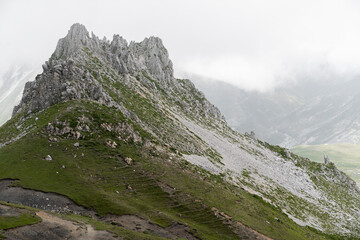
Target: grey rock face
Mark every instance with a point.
(61, 81)
(76, 38)
(69, 75)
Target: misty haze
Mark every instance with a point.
(180, 119)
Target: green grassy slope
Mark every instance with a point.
(20, 216)
(21, 220)
(346, 156)
(165, 188)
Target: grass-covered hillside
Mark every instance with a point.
(157, 185)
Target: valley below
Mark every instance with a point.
(346, 156)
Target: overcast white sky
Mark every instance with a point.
(253, 44)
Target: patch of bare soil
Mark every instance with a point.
(55, 228)
(6, 211)
(40, 200)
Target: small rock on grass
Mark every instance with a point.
(128, 161)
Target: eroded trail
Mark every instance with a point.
(53, 227)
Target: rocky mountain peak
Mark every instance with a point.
(88, 67)
(77, 31)
(152, 55)
(76, 38)
(154, 44)
(118, 41)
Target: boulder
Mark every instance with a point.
(326, 159)
(253, 136)
(287, 153)
(111, 144)
(128, 160)
(53, 139)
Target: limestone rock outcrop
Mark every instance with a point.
(70, 73)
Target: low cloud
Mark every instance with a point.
(256, 45)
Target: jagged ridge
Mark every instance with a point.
(148, 61)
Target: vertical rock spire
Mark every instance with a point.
(76, 38)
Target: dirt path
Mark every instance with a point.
(55, 228)
(6, 211)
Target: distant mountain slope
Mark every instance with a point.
(299, 113)
(251, 111)
(13, 82)
(107, 125)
